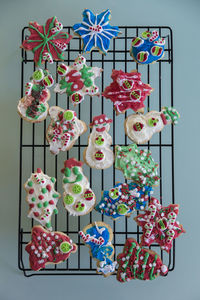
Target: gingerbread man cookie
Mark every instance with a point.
(41, 197)
(33, 107)
(140, 128)
(78, 197)
(78, 80)
(64, 129)
(48, 248)
(98, 154)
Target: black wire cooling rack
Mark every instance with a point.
(34, 150)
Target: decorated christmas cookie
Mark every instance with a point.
(41, 197)
(139, 263)
(159, 224)
(95, 31)
(47, 42)
(127, 91)
(64, 129)
(78, 197)
(48, 248)
(98, 237)
(98, 154)
(140, 128)
(148, 48)
(137, 165)
(33, 107)
(78, 80)
(123, 199)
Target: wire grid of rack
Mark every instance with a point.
(34, 150)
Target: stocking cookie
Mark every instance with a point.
(78, 197)
(148, 48)
(98, 154)
(95, 31)
(47, 42)
(48, 248)
(78, 80)
(139, 263)
(64, 129)
(159, 224)
(137, 165)
(41, 197)
(140, 128)
(127, 91)
(33, 107)
(98, 237)
(123, 199)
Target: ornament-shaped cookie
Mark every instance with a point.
(64, 129)
(33, 107)
(98, 154)
(78, 197)
(41, 197)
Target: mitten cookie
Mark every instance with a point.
(78, 80)
(41, 197)
(98, 237)
(140, 128)
(64, 129)
(48, 248)
(78, 197)
(127, 91)
(139, 263)
(98, 154)
(33, 107)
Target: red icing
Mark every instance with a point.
(36, 214)
(99, 155)
(99, 120)
(74, 77)
(31, 191)
(48, 187)
(163, 119)
(51, 202)
(40, 197)
(39, 170)
(72, 162)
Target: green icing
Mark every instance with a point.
(67, 86)
(55, 211)
(76, 172)
(45, 204)
(55, 195)
(141, 276)
(86, 74)
(67, 172)
(40, 108)
(44, 190)
(30, 183)
(53, 179)
(76, 189)
(68, 199)
(65, 247)
(33, 199)
(39, 205)
(48, 225)
(151, 276)
(171, 113)
(122, 209)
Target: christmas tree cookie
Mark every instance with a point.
(137, 165)
(123, 199)
(78, 80)
(33, 107)
(159, 224)
(98, 154)
(78, 197)
(98, 237)
(48, 248)
(139, 263)
(64, 129)
(41, 197)
(140, 128)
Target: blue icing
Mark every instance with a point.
(95, 30)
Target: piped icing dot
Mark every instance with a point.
(68, 199)
(99, 155)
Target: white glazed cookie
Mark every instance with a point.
(78, 197)
(64, 129)
(41, 197)
(98, 154)
(140, 128)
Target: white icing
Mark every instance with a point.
(106, 269)
(22, 110)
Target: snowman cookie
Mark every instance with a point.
(33, 107)
(41, 197)
(140, 128)
(98, 153)
(64, 129)
(78, 197)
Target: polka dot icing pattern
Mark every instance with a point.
(48, 248)
(98, 237)
(78, 197)
(64, 129)
(78, 80)
(140, 128)
(123, 199)
(95, 31)
(47, 42)
(41, 197)
(139, 263)
(137, 165)
(127, 91)
(148, 48)
(159, 224)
